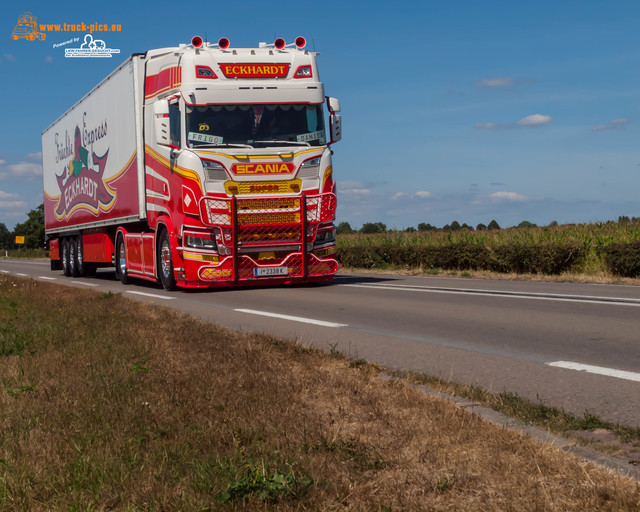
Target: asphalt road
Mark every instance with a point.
(573, 346)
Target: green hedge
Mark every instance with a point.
(518, 258)
(623, 259)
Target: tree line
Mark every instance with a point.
(32, 229)
(344, 228)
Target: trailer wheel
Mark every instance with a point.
(66, 269)
(165, 262)
(81, 266)
(73, 258)
(121, 261)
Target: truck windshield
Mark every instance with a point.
(255, 125)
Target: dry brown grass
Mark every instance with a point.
(113, 405)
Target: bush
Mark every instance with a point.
(517, 258)
(623, 259)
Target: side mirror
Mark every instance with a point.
(335, 120)
(336, 127)
(161, 127)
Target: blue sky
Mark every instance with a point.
(467, 111)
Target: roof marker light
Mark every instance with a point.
(301, 42)
(223, 43)
(279, 43)
(196, 41)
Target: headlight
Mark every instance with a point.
(208, 164)
(326, 237)
(213, 171)
(312, 162)
(198, 242)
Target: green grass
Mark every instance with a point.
(115, 405)
(24, 253)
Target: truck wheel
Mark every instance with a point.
(73, 258)
(66, 269)
(165, 262)
(121, 261)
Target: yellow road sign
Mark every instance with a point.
(20, 240)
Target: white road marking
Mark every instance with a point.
(151, 295)
(47, 278)
(85, 284)
(292, 318)
(599, 370)
(4, 272)
(22, 275)
(587, 299)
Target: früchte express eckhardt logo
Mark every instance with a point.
(82, 183)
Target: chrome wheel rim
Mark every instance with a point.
(122, 259)
(165, 259)
(72, 258)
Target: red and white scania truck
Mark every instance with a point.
(197, 166)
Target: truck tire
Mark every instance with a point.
(66, 268)
(165, 262)
(81, 265)
(121, 261)
(73, 258)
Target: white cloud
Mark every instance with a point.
(9, 57)
(535, 120)
(495, 82)
(614, 124)
(508, 196)
(532, 120)
(420, 193)
(356, 188)
(25, 169)
(8, 200)
(21, 169)
(48, 59)
(11, 204)
(35, 156)
(488, 126)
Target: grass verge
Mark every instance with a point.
(107, 404)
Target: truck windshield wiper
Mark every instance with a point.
(224, 145)
(276, 142)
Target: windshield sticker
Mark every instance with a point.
(204, 137)
(309, 136)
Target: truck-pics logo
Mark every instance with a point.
(82, 184)
(27, 28)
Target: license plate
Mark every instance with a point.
(271, 271)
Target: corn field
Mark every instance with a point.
(611, 248)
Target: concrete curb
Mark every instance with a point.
(543, 436)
